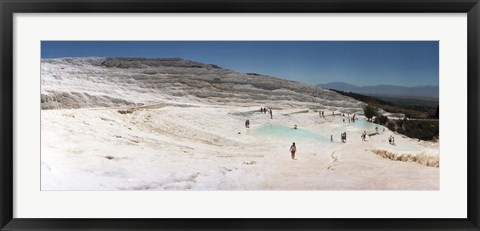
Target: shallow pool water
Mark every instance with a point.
(365, 125)
(280, 131)
(359, 125)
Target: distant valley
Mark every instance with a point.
(389, 92)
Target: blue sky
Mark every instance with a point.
(363, 63)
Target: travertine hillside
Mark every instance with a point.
(109, 82)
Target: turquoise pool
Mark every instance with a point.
(359, 125)
(280, 131)
(365, 125)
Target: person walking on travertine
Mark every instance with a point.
(271, 114)
(293, 149)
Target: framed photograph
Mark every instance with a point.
(239, 115)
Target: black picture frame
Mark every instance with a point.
(10, 7)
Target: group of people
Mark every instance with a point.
(349, 119)
(262, 110)
(265, 110)
(343, 136)
(321, 114)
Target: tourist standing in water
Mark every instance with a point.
(293, 149)
(247, 124)
(271, 114)
(331, 138)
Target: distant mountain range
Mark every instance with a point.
(385, 90)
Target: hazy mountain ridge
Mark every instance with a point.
(107, 82)
(387, 90)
